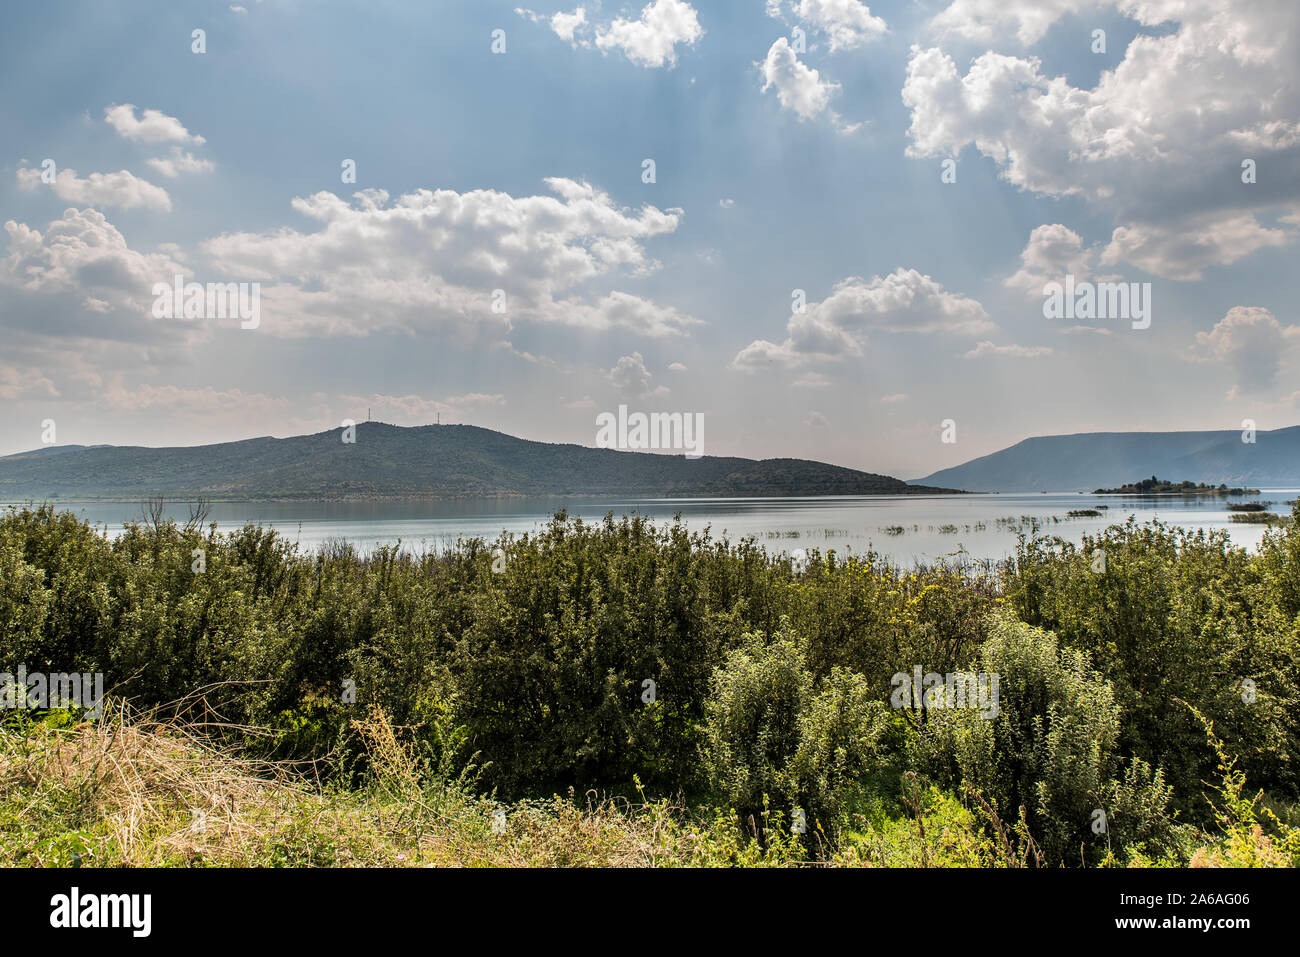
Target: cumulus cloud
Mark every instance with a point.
(180, 161)
(799, 87)
(847, 24)
(1219, 238)
(987, 20)
(121, 189)
(84, 255)
(1158, 142)
(652, 40)
(566, 24)
(633, 380)
(1251, 341)
(621, 310)
(837, 327)
(649, 41)
(437, 258)
(151, 126)
(1053, 251)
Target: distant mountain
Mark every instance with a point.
(431, 462)
(1091, 460)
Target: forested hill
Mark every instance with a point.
(1083, 462)
(432, 461)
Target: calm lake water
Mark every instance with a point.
(906, 528)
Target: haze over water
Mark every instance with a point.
(903, 528)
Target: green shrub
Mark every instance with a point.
(1050, 748)
(771, 738)
(1169, 617)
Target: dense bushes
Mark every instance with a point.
(1177, 619)
(774, 743)
(1050, 749)
(596, 655)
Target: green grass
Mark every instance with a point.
(129, 792)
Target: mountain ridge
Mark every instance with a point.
(414, 462)
(1083, 461)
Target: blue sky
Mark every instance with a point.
(523, 171)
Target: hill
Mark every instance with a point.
(1086, 461)
(429, 462)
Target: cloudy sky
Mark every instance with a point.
(505, 257)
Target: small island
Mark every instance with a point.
(1155, 486)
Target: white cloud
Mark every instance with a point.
(799, 88)
(1193, 244)
(180, 161)
(896, 399)
(121, 189)
(433, 259)
(620, 310)
(83, 254)
(837, 327)
(651, 41)
(1052, 252)
(1158, 142)
(1202, 241)
(1250, 340)
(987, 348)
(151, 126)
(847, 23)
(633, 380)
(565, 24)
(986, 20)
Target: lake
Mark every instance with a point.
(904, 528)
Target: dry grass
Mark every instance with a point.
(149, 790)
(130, 790)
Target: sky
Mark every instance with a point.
(825, 226)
